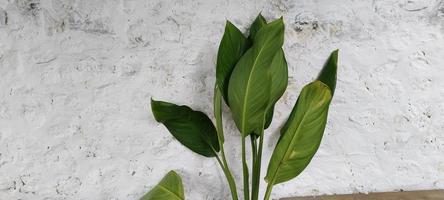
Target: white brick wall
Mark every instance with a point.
(76, 78)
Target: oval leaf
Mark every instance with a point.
(232, 46)
(303, 133)
(250, 82)
(191, 128)
(169, 188)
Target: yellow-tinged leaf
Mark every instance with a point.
(301, 135)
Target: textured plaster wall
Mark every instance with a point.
(76, 78)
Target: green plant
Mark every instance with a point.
(251, 76)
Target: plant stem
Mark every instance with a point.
(270, 185)
(245, 172)
(254, 149)
(268, 191)
(254, 163)
(229, 176)
(220, 136)
(257, 169)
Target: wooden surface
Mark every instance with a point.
(413, 195)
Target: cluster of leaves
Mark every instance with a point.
(251, 76)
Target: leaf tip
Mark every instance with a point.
(280, 23)
(172, 172)
(153, 108)
(260, 16)
(334, 55)
(228, 23)
(152, 101)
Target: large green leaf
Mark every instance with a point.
(191, 128)
(279, 76)
(278, 69)
(301, 135)
(257, 24)
(169, 188)
(251, 80)
(232, 46)
(328, 72)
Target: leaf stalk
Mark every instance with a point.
(245, 171)
(231, 183)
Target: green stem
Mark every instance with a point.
(270, 185)
(268, 191)
(245, 172)
(257, 169)
(220, 135)
(254, 187)
(229, 176)
(254, 149)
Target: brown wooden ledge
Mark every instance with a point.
(412, 195)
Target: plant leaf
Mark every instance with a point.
(232, 46)
(250, 82)
(327, 76)
(279, 76)
(169, 188)
(328, 72)
(278, 68)
(258, 23)
(218, 113)
(303, 133)
(191, 128)
(268, 118)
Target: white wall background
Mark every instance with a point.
(76, 78)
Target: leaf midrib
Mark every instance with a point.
(171, 192)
